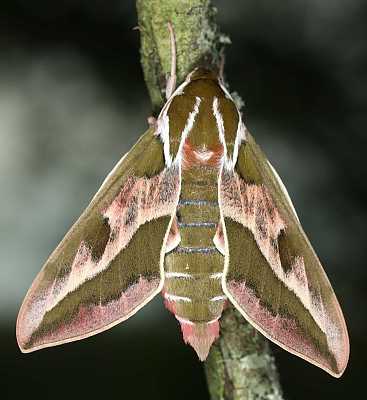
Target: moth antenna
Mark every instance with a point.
(171, 81)
(222, 61)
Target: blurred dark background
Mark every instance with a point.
(73, 100)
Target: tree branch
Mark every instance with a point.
(197, 38)
(240, 365)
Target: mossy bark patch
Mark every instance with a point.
(198, 41)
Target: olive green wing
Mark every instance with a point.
(110, 263)
(272, 274)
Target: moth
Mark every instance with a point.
(194, 211)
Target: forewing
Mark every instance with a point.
(110, 263)
(272, 274)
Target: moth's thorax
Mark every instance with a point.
(202, 121)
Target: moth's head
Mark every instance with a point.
(203, 73)
(203, 83)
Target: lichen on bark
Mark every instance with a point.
(198, 40)
(240, 365)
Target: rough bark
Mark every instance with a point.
(197, 38)
(240, 365)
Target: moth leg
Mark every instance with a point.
(171, 80)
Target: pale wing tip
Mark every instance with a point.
(20, 341)
(342, 350)
(21, 337)
(337, 373)
(24, 350)
(342, 363)
(343, 358)
(19, 332)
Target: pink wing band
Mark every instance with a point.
(253, 207)
(139, 201)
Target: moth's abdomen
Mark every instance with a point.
(193, 265)
(193, 274)
(193, 269)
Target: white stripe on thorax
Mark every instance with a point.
(220, 124)
(240, 137)
(163, 131)
(189, 125)
(240, 134)
(241, 129)
(164, 128)
(163, 121)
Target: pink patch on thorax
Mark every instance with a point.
(201, 156)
